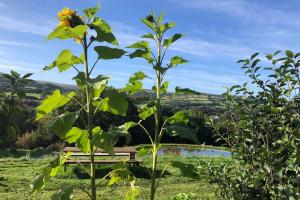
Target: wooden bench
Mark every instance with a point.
(119, 151)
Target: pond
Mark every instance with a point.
(187, 151)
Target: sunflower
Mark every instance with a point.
(69, 18)
(65, 13)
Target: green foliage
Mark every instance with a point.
(64, 61)
(63, 32)
(107, 53)
(103, 30)
(49, 171)
(62, 124)
(135, 83)
(155, 57)
(13, 113)
(53, 102)
(263, 132)
(88, 99)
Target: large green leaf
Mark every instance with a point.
(49, 171)
(103, 140)
(91, 12)
(81, 137)
(168, 42)
(63, 32)
(99, 84)
(107, 53)
(55, 100)
(104, 32)
(149, 36)
(65, 193)
(145, 112)
(64, 61)
(135, 83)
(178, 117)
(187, 170)
(132, 193)
(140, 45)
(62, 124)
(182, 131)
(115, 103)
(177, 60)
(142, 53)
(164, 27)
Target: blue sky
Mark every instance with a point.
(217, 34)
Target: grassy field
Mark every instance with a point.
(19, 169)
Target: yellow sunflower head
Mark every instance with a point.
(69, 18)
(65, 13)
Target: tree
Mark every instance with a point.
(11, 111)
(263, 121)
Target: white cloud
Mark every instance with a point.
(6, 64)
(14, 43)
(247, 11)
(32, 27)
(203, 48)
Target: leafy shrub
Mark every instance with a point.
(263, 132)
(184, 196)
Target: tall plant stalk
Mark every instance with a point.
(89, 119)
(173, 125)
(76, 27)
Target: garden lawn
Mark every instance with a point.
(18, 170)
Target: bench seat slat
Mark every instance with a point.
(101, 161)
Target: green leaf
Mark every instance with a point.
(179, 117)
(147, 150)
(104, 32)
(150, 24)
(140, 45)
(164, 27)
(52, 102)
(187, 170)
(182, 131)
(81, 137)
(171, 40)
(132, 193)
(146, 112)
(99, 84)
(66, 59)
(63, 32)
(132, 88)
(114, 103)
(80, 80)
(122, 130)
(91, 12)
(141, 53)
(164, 87)
(65, 193)
(149, 36)
(103, 140)
(107, 53)
(62, 124)
(135, 83)
(38, 183)
(49, 171)
(289, 53)
(176, 60)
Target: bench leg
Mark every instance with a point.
(65, 167)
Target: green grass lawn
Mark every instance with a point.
(18, 170)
